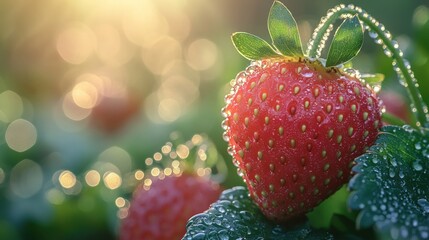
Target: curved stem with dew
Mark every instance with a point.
(390, 47)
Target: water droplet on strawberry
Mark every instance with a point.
(307, 73)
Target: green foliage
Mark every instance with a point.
(235, 216)
(284, 30)
(284, 34)
(391, 190)
(252, 47)
(347, 42)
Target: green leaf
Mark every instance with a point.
(347, 42)
(284, 30)
(390, 189)
(235, 216)
(252, 47)
(373, 79)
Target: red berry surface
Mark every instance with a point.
(294, 128)
(162, 211)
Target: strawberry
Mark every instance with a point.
(395, 104)
(162, 211)
(112, 114)
(295, 126)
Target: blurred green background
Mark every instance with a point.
(99, 96)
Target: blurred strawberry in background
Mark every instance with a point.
(161, 211)
(395, 104)
(113, 113)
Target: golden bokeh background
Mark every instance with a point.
(99, 96)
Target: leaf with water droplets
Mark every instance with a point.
(253, 47)
(347, 42)
(284, 30)
(390, 189)
(235, 216)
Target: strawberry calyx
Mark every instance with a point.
(286, 40)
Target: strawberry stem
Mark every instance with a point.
(391, 48)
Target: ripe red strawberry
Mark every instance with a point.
(294, 124)
(294, 129)
(162, 211)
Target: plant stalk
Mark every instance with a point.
(406, 75)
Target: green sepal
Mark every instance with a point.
(235, 216)
(347, 42)
(390, 190)
(284, 30)
(253, 47)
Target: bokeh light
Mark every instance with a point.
(112, 180)
(67, 179)
(72, 110)
(139, 175)
(120, 202)
(118, 157)
(11, 106)
(143, 24)
(111, 47)
(55, 196)
(202, 54)
(26, 178)
(21, 135)
(76, 43)
(2, 175)
(182, 151)
(91, 90)
(85, 95)
(92, 178)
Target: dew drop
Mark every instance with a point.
(387, 51)
(200, 235)
(208, 221)
(378, 41)
(417, 166)
(404, 232)
(424, 204)
(239, 171)
(401, 174)
(418, 146)
(223, 235)
(392, 173)
(393, 162)
(246, 215)
(237, 204)
(373, 34)
(395, 44)
(387, 34)
(307, 73)
(224, 124)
